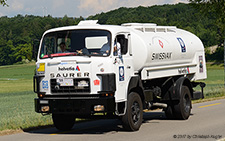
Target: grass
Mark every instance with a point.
(17, 99)
(17, 111)
(215, 81)
(16, 78)
(17, 96)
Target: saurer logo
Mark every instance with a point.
(58, 75)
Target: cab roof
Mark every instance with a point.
(91, 24)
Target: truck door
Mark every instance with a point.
(122, 65)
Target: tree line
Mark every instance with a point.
(19, 34)
(183, 16)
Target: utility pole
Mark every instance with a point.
(44, 11)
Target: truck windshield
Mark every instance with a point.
(76, 43)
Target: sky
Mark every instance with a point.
(73, 8)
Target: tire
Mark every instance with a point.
(132, 120)
(183, 109)
(63, 122)
(169, 112)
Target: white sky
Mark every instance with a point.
(73, 8)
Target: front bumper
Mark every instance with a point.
(79, 106)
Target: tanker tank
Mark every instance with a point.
(159, 47)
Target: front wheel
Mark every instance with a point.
(132, 120)
(63, 122)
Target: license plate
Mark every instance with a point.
(65, 82)
(83, 83)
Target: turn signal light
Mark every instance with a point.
(41, 95)
(107, 94)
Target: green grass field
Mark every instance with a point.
(215, 81)
(17, 96)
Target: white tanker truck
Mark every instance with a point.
(109, 71)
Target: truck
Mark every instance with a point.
(91, 70)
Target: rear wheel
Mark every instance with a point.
(182, 109)
(63, 122)
(169, 112)
(132, 120)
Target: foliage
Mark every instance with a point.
(217, 56)
(3, 2)
(216, 9)
(20, 35)
(181, 15)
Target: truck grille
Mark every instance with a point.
(56, 88)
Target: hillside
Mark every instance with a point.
(19, 34)
(181, 15)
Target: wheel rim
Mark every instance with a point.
(135, 112)
(187, 103)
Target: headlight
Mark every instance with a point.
(41, 67)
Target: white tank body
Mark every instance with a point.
(158, 48)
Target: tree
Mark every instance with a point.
(3, 2)
(214, 9)
(6, 52)
(23, 51)
(17, 34)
